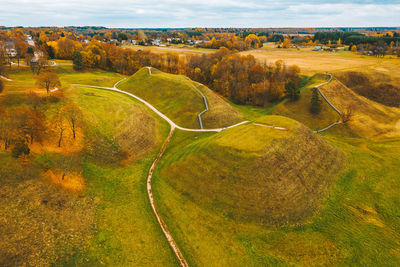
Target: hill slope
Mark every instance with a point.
(177, 97)
(256, 173)
(300, 109)
(370, 119)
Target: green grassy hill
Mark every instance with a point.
(255, 173)
(215, 196)
(176, 96)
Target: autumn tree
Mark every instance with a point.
(1, 85)
(286, 43)
(292, 91)
(48, 80)
(73, 114)
(35, 126)
(8, 128)
(315, 107)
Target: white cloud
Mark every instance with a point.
(207, 13)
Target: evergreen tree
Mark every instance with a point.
(315, 107)
(292, 91)
(78, 61)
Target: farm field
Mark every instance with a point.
(311, 62)
(177, 49)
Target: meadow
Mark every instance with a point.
(107, 219)
(247, 196)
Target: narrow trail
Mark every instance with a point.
(173, 126)
(5, 78)
(271, 126)
(162, 224)
(201, 94)
(329, 103)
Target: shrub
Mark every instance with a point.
(20, 148)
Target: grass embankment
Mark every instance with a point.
(107, 220)
(125, 230)
(370, 119)
(249, 176)
(358, 222)
(176, 96)
(300, 109)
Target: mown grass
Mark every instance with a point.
(176, 96)
(358, 225)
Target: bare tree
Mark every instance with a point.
(347, 114)
(59, 124)
(73, 115)
(48, 80)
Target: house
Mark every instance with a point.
(318, 48)
(156, 42)
(134, 42)
(10, 49)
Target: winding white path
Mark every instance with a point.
(329, 103)
(173, 126)
(5, 78)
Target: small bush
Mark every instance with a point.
(20, 148)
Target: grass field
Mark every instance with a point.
(311, 62)
(247, 196)
(177, 97)
(357, 225)
(181, 49)
(109, 219)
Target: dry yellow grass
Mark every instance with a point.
(311, 62)
(370, 119)
(72, 181)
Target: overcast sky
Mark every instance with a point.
(200, 13)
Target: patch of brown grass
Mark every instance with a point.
(72, 181)
(42, 223)
(220, 113)
(378, 88)
(370, 119)
(69, 145)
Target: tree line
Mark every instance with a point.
(239, 78)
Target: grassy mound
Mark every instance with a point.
(178, 98)
(300, 109)
(375, 87)
(370, 118)
(254, 173)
